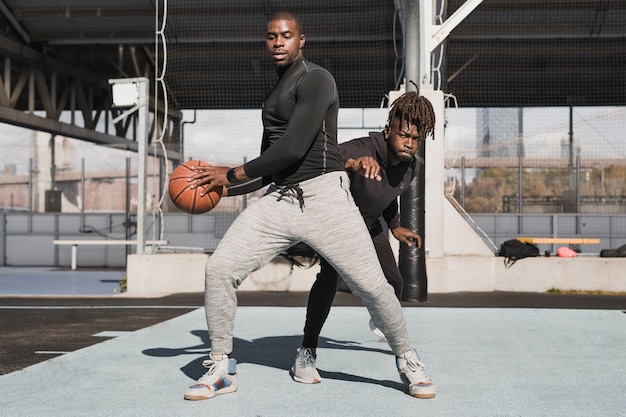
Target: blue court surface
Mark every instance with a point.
(497, 362)
(50, 281)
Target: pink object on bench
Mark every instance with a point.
(565, 252)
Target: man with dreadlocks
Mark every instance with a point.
(391, 156)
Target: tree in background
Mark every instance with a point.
(486, 192)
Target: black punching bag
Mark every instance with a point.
(412, 260)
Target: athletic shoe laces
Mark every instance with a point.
(417, 369)
(212, 365)
(306, 358)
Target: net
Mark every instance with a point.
(540, 131)
(219, 48)
(535, 122)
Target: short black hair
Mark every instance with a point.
(286, 15)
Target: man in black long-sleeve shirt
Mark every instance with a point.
(309, 201)
(390, 157)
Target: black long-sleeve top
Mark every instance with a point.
(299, 127)
(376, 198)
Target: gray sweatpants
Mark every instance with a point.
(329, 222)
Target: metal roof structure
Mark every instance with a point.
(59, 54)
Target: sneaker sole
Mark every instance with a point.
(212, 394)
(304, 381)
(416, 395)
(423, 396)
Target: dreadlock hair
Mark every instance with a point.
(415, 109)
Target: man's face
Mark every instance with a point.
(283, 41)
(403, 140)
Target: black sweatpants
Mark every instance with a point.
(325, 287)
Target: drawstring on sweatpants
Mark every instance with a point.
(294, 188)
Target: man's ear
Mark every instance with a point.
(386, 132)
(302, 41)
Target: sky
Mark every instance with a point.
(232, 136)
(599, 132)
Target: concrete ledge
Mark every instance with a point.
(461, 273)
(165, 273)
(466, 273)
(174, 273)
(540, 274)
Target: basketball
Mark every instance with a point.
(188, 199)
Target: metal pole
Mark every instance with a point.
(577, 183)
(571, 147)
(142, 161)
(520, 156)
(127, 223)
(52, 162)
(520, 132)
(463, 182)
(577, 194)
(412, 262)
(157, 217)
(520, 185)
(182, 137)
(420, 38)
(411, 43)
(30, 187)
(244, 203)
(82, 194)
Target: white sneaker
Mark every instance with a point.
(304, 369)
(221, 378)
(413, 374)
(376, 330)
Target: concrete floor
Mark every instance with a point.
(488, 356)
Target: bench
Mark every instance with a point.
(574, 242)
(75, 244)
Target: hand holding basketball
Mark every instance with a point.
(187, 198)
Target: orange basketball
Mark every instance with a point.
(188, 199)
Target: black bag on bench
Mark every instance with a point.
(614, 253)
(514, 249)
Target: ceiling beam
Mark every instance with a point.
(16, 25)
(85, 12)
(31, 121)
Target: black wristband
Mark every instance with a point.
(230, 176)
